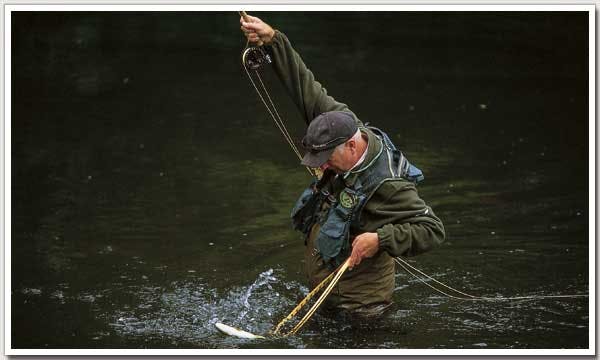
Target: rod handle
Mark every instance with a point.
(245, 16)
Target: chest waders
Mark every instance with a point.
(340, 216)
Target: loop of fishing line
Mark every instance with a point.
(408, 267)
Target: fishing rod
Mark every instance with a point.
(247, 19)
(253, 59)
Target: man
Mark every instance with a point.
(366, 204)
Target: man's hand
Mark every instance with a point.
(364, 245)
(256, 30)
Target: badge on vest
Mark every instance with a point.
(347, 200)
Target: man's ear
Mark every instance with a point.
(351, 144)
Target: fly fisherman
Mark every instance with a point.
(365, 206)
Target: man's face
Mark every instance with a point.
(339, 161)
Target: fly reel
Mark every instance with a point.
(254, 58)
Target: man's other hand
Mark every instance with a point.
(364, 245)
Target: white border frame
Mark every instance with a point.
(294, 6)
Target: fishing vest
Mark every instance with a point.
(340, 216)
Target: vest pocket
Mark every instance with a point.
(304, 210)
(333, 236)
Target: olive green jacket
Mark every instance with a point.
(405, 225)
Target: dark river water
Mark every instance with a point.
(151, 191)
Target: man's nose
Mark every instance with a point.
(325, 166)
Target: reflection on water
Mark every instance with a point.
(151, 192)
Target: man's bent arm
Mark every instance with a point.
(409, 227)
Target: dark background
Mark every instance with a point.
(151, 191)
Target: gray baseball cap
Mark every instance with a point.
(324, 133)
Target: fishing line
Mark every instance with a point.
(406, 266)
(431, 286)
(284, 129)
(263, 92)
(271, 109)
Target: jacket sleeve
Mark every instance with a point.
(406, 226)
(308, 94)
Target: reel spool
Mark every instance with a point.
(254, 58)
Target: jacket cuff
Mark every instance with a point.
(277, 39)
(385, 237)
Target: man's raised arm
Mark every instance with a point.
(306, 92)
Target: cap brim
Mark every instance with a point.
(316, 159)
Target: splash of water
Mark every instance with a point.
(187, 310)
(263, 279)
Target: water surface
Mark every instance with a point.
(151, 191)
